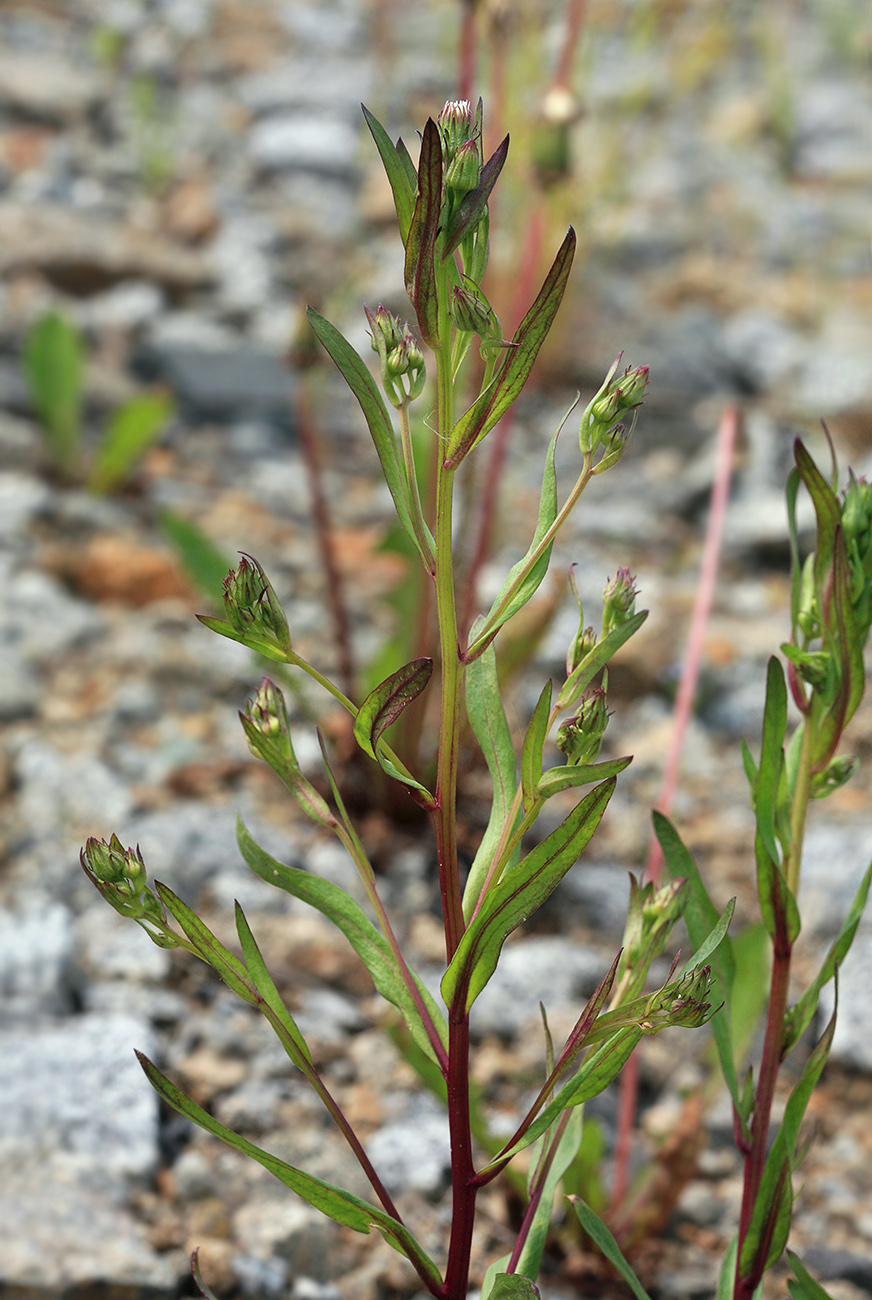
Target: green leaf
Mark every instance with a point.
(473, 205)
(212, 951)
(249, 639)
(265, 985)
(749, 765)
(852, 677)
(205, 565)
(564, 778)
(750, 992)
(567, 1145)
(525, 577)
(420, 271)
(371, 403)
(402, 188)
(727, 1276)
(826, 507)
(766, 789)
(53, 367)
(534, 743)
(512, 1286)
(518, 894)
(597, 1071)
(484, 707)
(792, 491)
(800, 1016)
(601, 1237)
(804, 1287)
(770, 1218)
(701, 917)
(130, 431)
(341, 1206)
(493, 1271)
(598, 657)
(383, 706)
(360, 932)
(491, 406)
(778, 907)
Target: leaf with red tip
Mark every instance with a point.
(496, 399)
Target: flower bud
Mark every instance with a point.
(458, 126)
(836, 774)
(471, 313)
(400, 356)
(265, 723)
(619, 600)
(252, 606)
(464, 171)
(616, 397)
(120, 876)
(651, 914)
(581, 736)
(387, 332)
(857, 529)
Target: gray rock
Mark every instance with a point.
(834, 130)
(57, 792)
(46, 88)
(20, 688)
(852, 1040)
(413, 1154)
(38, 617)
(224, 385)
(74, 1102)
(22, 499)
(36, 950)
(298, 84)
(553, 970)
(59, 1237)
(834, 859)
(112, 947)
(193, 1176)
(828, 1264)
(292, 1232)
(301, 142)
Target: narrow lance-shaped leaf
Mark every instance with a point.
(487, 718)
(521, 891)
(130, 431)
(402, 188)
(493, 403)
(212, 951)
(804, 1287)
(849, 649)
(360, 932)
(341, 1206)
(472, 206)
(534, 743)
(565, 778)
(513, 1286)
(778, 907)
(565, 1150)
(382, 707)
(265, 985)
(371, 403)
(420, 273)
(524, 578)
(598, 657)
(767, 785)
(600, 1235)
(827, 510)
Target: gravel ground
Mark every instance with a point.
(179, 179)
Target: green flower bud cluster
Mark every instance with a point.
(265, 723)
(460, 133)
(120, 876)
(857, 529)
(581, 736)
(601, 423)
(619, 600)
(252, 606)
(683, 1003)
(400, 356)
(651, 914)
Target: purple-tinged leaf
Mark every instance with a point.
(420, 271)
(473, 205)
(388, 701)
(496, 399)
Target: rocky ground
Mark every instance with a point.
(178, 179)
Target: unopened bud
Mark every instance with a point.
(464, 171)
(857, 529)
(265, 723)
(120, 876)
(252, 606)
(836, 774)
(472, 314)
(581, 736)
(400, 357)
(457, 125)
(617, 396)
(619, 600)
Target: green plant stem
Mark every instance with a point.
(771, 1059)
(415, 509)
(487, 635)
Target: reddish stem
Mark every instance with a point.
(463, 1185)
(467, 49)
